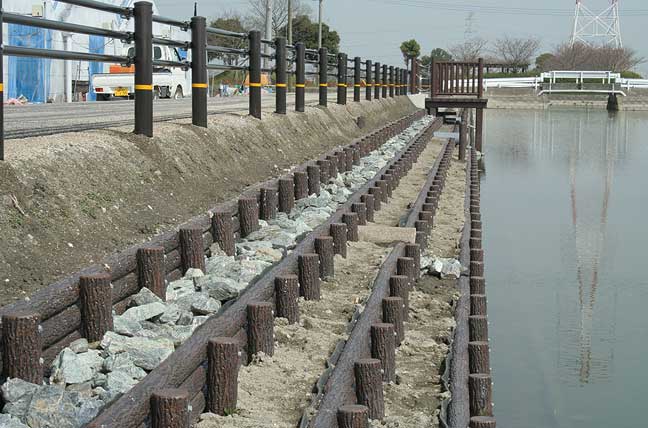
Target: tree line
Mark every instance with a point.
(518, 54)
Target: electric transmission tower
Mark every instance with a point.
(590, 28)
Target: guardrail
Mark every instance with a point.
(457, 78)
(284, 60)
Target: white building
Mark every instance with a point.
(43, 80)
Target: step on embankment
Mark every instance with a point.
(185, 252)
(72, 199)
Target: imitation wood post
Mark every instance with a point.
(353, 416)
(286, 195)
(260, 329)
(383, 348)
(192, 248)
(399, 286)
(309, 276)
(269, 204)
(369, 390)
(286, 296)
(223, 357)
(392, 309)
(150, 270)
(170, 409)
(324, 247)
(21, 347)
(223, 231)
(339, 234)
(95, 298)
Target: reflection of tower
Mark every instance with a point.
(590, 28)
(590, 227)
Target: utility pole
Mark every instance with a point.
(268, 30)
(290, 22)
(319, 37)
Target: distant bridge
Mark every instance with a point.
(586, 82)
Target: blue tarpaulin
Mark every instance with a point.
(29, 77)
(97, 46)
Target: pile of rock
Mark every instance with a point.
(85, 377)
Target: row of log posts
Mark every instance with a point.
(170, 407)
(386, 336)
(479, 378)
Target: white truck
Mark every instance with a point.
(167, 82)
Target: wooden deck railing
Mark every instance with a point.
(457, 78)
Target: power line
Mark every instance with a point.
(505, 10)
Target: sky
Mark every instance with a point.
(374, 29)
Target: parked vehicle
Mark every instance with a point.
(120, 81)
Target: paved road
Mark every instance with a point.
(47, 119)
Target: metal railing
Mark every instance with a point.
(254, 56)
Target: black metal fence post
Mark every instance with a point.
(342, 79)
(369, 80)
(199, 85)
(404, 81)
(2, 148)
(323, 77)
(255, 74)
(397, 81)
(143, 13)
(391, 81)
(377, 81)
(280, 69)
(300, 77)
(357, 62)
(385, 83)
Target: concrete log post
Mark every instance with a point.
(339, 234)
(399, 286)
(170, 408)
(301, 185)
(223, 232)
(150, 270)
(351, 220)
(21, 347)
(369, 202)
(286, 195)
(369, 390)
(309, 276)
(353, 416)
(383, 348)
(248, 210)
(286, 296)
(223, 355)
(269, 204)
(260, 329)
(324, 247)
(95, 299)
(392, 308)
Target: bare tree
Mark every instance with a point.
(256, 17)
(469, 50)
(516, 51)
(581, 56)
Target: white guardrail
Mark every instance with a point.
(551, 77)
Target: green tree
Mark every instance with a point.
(543, 61)
(438, 54)
(306, 31)
(229, 22)
(410, 49)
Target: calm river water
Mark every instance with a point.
(564, 204)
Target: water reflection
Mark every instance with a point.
(559, 234)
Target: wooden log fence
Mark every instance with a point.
(166, 257)
(185, 367)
